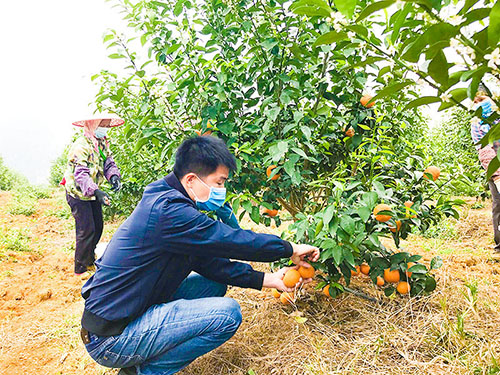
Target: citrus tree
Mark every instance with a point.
(294, 111)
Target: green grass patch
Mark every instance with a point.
(15, 239)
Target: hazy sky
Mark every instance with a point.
(48, 51)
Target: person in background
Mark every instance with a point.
(89, 164)
(156, 301)
(479, 128)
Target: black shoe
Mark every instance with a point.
(128, 371)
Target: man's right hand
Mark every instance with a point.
(301, 251)
(102, 197)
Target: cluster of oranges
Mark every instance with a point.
(290, 279)
(390, 276)
(385, 217)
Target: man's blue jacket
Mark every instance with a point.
(157, 247)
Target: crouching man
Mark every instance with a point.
(156, 301)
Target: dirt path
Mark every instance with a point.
(40, 309)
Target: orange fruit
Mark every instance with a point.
(365, 269)
(355, 273)
(433, 171)
(408, 205)
(208, 132)
(380, 281)
(326, 291)
(410, 265)
(276, 293)
(365, 99)
(403, 287)
(397, 228)
(306, 273)
(350, 132)
(269, 170)
(381, 207)
(391, 276)
(286, 298)
(269, 212)
(291, 278)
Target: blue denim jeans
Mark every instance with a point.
(167, 337)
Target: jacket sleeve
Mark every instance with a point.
(84, 181)
(187, 231)
(110, 168)
(487, 154)
(79, 156)
(229, 272)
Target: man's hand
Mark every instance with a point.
(302, 251)
(102, 197)
(116, 183)
(275, 280)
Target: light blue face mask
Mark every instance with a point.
(215, 199)
(101, 132)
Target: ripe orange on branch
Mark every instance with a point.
(380, 281)
(381, 207)
(410, 265)
(433, 171)
(291, 278)
(403, 287)
(326, 291)
(355, 273)
(391, 276)
(365, 269)
(208, 132)
(269, 171)
(269, 212)
(396, 228)
(365, 99)
(306, 273)
(350, 132)
(408, 205)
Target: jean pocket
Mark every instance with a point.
(111, 359)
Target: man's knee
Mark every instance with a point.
(232, 311)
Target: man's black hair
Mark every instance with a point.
(202, 155)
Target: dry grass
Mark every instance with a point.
(456, 330)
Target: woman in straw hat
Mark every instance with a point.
(89, 163)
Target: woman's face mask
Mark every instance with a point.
(101, 132)
(215, 199)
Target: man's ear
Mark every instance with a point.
(189, 178)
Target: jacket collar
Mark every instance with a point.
(172, 180)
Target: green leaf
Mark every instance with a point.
(116, 56)
(311, 8)
(327, 217)
(338, 255)
(418, 268)
(436, 262)
(364, 213)
(347, 223)
(430, 284)
(399, 21)
(494, 27)
(269, 43)
(422, 101)
(346, 7)
(438, 69)
(370, 198)
(457, 94)
(492, 167)
(330, 37)
(392, 89)
(372, 8)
